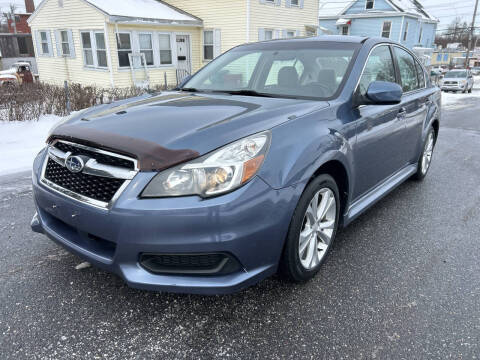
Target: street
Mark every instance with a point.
(401, 282)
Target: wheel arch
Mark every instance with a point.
(338, 171)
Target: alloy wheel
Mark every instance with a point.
(317, 228)
(427, 153)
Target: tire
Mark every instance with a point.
(470, 91)
(424, 157)
(297, 265)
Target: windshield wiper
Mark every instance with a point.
(189, 89)
(245, 93)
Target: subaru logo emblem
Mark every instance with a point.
(74, 163)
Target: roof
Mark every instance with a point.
(140, 10)
(333, 8)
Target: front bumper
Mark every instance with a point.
(250, 223)
(454, 87)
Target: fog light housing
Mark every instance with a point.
(190, 264)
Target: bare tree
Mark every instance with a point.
(10, 16)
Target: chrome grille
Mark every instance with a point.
(102, 178)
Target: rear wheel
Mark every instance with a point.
(426, 157)
(312, 230)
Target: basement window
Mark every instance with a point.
(369, 4)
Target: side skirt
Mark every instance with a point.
(371, 197)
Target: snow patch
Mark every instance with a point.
(146, 9)
(20, 142)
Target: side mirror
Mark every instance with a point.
(384, 93)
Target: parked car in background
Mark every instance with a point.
(18, 74)
(476, 70)
(249, 168)
(457, 80)
(438, 70)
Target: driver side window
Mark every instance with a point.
(379, 67)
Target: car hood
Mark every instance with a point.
(453, 79)
(11, 71)
(173, 127)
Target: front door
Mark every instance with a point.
(184, 66)
(380, 145)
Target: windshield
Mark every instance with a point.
(456, 74)
(278, 69)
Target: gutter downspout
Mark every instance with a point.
(401, 30)
(109, 55)
(248, 21)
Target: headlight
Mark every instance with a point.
(216, 173)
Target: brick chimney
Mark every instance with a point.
(29, 6)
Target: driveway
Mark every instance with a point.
(402, 282)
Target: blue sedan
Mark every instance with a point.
(249, 168)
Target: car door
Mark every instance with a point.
(416, 100)
(379, 148)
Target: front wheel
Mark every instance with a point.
(426, 157)
(312, 230)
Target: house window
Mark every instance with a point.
(439, 57)
(17, 18)
(445, 57)
(60, 3)
(87, 49)
(65, 45)
(294, 2)
(369, 4)
(270, 1)
(124, 48)
(345, 30)
(290, 34)
(208, 45)
(146, 48)
(405, 32)
(44, 43)
(268, 34)
(165, 49)
(94, 49)
(22, 45)
(101, 49)
(387, 26)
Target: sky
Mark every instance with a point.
(444, 10)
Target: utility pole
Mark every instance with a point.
(470, 36)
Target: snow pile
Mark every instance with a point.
(20, 142)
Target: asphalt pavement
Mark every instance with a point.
(402, 282)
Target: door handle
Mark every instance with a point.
(402, 113)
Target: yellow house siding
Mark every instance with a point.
(75, 15)
(123, 76)
(227, 15)
(270, 16)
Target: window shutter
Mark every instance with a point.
(261, 34)
(71, 44)
(288, 3)
(301, 4)
(49, 39)
(278, 2)
(38, 43)
(58, 42)
(217, 43)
